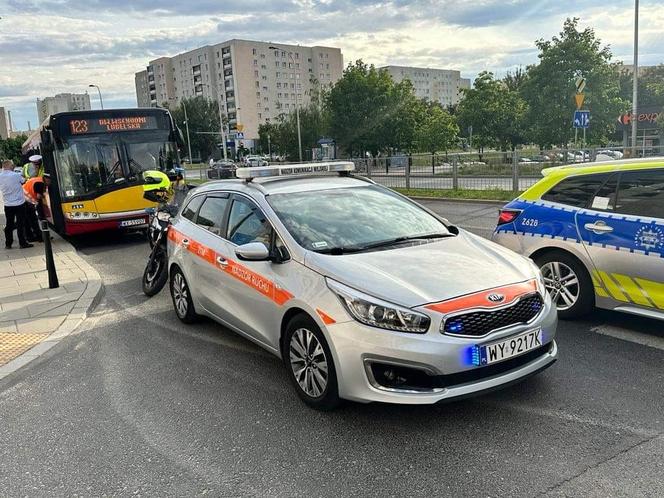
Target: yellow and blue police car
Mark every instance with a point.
(597, 233)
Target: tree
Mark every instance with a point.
(514, 81)
(203, 118)
(11, 149)
(495, 112)
(651, 86)
(437, 131)
(550, 87)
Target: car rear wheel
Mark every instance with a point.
(568, 283)
(310, 365)
(182, 302)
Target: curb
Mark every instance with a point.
(89, 299)
(465, 201)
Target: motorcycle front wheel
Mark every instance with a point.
(155, 275)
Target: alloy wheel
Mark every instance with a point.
(308, 362)
(180, 294)
(562, 283)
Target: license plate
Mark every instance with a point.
(509, 348)
(133, 223)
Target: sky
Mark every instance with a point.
(53, 46)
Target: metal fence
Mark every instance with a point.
(488, 171)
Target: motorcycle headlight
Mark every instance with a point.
(377, 313)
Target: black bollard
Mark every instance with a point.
(48, 250)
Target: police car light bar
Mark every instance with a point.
(294, 169)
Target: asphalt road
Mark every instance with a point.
(137, 403)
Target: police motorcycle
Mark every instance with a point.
(158, 188)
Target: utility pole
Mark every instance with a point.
(101, 102)
(186, 125)
(635, 88)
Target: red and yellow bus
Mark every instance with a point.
(96, 160)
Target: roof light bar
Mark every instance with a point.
(294, 169)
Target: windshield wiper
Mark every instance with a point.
(337, 251)
(398, 240)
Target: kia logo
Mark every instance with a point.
(495, 297)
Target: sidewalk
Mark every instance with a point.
(34, 318)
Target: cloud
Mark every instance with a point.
(63, 45)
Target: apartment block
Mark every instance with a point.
(434, 85)
(142, 90)
(254, 81)
(63, 102)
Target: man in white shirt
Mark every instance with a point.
(11, 187)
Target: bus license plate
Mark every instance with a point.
(132, 223)
(513, 346)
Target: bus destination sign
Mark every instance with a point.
(111, 125)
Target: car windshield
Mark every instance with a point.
(348, 219)
(86, 165)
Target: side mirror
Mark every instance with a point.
(253, 251)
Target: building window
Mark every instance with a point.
(256, 74)
(279, 95)
(297, 55)
(283, 64)
(258, 94)
(253, 51)
(276, 53)
(297, 65)
(265, 89)
(309, 59)
(260, 115)
(321, 65)
(264, 78)
(278, 73)
(263, 66)
(265, 99)
(262, 56)
(276, 64)
(255, 62)
(283, 54)
(278, 85)
(258, 85)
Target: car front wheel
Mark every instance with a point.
(182, 302)
(568, 283)
(310, 365)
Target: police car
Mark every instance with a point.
(597, 233)
(364, 294)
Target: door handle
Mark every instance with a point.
(599, 228)
(185, 242)
(222, 261)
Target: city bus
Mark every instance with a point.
(96, 160)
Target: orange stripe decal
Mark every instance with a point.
(267, 287)
(480, 299)
(327, 319)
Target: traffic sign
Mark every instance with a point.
(580, 84)
(581, 119)
(579, 98)
(239, 135)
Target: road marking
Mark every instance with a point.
(630, 336)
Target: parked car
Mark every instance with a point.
(256, 161)
(597, 233)
(221, 170)
(378, 306)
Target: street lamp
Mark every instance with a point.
(635, 87)
(186, 124)
(297, 106)
(101, 102)
(221, 122)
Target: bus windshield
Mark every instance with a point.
(92, 163)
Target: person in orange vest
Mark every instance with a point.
(34, 190)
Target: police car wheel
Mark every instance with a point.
(568, 283)
(182, 302)
(310, 365)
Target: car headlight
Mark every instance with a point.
(376, 313)
(541, 286)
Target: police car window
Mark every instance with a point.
(641, 193)
(247, 223)
(605, 198)
(211, 214)
(354, 217)
(576, 191)
(192, 207)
